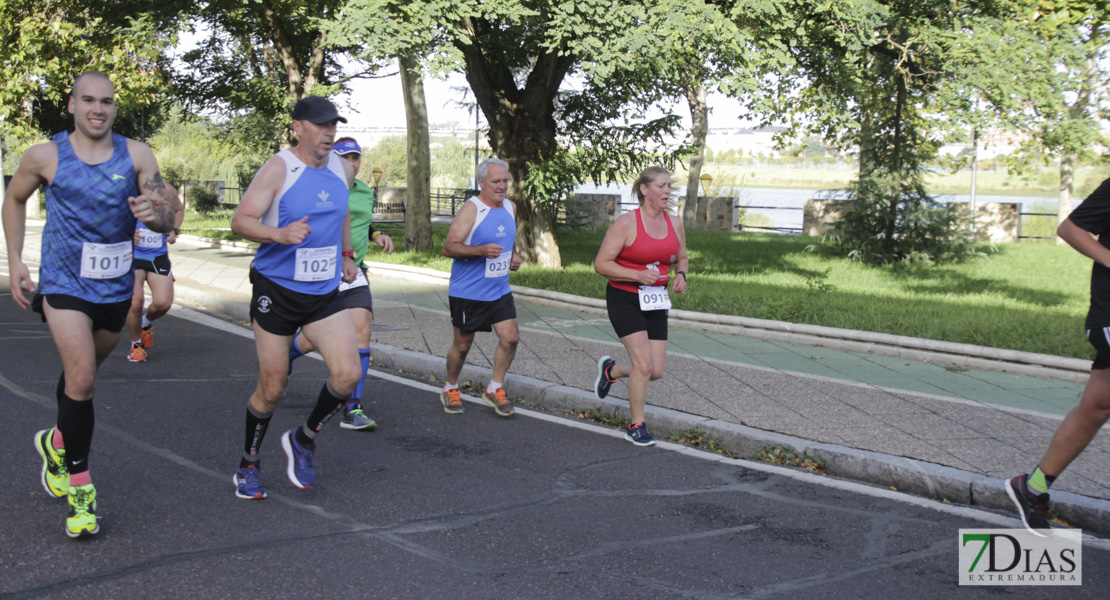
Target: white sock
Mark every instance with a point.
(493, 387)
(146, 321)
(450, 386)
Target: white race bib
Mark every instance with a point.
(149, 239)
(315, 264)
(105, 261)
(654, 297)
(498, 267)
(360, 279)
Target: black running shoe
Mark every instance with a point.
(1032, 507)
(638, 434)
(604, 377)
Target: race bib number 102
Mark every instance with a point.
(315, 264)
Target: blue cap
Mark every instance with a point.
(347, 147)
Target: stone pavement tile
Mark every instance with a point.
(920, 386)
(891, 441)
(1003, 380)
(875, 401)
(991, 457)
(798, 428)
(1033, 444)
(184, 267)
(839, 415)
(993, 422)
(930, 426)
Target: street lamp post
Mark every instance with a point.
(377, 172)
(706, 179)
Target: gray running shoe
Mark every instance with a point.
(356, 419)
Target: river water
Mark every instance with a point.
(783, 207)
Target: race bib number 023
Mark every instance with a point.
(498, 267)
(654, 297)
(105, 261)
(315, 264)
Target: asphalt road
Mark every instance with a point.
(431, 505)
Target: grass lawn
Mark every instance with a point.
(1029, 296)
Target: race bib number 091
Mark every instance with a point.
(315, 264)
(498, 267)
(654, 297)
(105, 261)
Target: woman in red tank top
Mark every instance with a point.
(642, 252)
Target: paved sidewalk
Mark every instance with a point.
(925, 426)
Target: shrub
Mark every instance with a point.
(203, 199)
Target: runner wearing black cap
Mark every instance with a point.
(360, 303)
(296, 208)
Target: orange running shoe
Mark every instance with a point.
(499, 401)
(146, 336)
(137, 354)
(452, 401)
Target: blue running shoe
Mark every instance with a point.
(638, 434)
(247, 484)
(299, 467)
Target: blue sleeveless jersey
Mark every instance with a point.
(87, 204)
(469, 275)
(151, 244)
(313, 266)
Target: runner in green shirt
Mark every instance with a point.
(357, 293)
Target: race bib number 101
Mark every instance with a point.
(105, 261)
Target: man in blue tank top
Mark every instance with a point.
(481, 241)
(152, 269)
(97, 184)
(297, 209)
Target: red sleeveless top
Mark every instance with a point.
(646, 250)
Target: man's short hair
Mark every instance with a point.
(483, 168)
(92, 74)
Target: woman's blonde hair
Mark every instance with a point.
(646, 178)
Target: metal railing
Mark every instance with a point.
(788, 230)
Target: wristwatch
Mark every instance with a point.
(683, 273)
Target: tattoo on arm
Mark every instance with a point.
(163, 209)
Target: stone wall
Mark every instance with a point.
(715, 213)
(819, 216)
(996, 222)
(588, 211)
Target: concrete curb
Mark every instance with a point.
(907, 475)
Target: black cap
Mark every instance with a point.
(315, 109)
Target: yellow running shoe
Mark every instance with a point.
(55, 473)
(81, 520)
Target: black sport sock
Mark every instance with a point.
(257, 423)
(75, 422)
(327, 404)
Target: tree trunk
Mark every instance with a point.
(1069, 157)
(522, 129)
(418, 208)
(699, 114)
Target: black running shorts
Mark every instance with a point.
(1100, 339)
(110, 316)
(160, 265)
(627, 318)
(477, 315)
(282, 311)
(359, 296)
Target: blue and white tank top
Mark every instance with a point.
(321, 194)
(149, 244)
(86, 244)
(478, 277)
